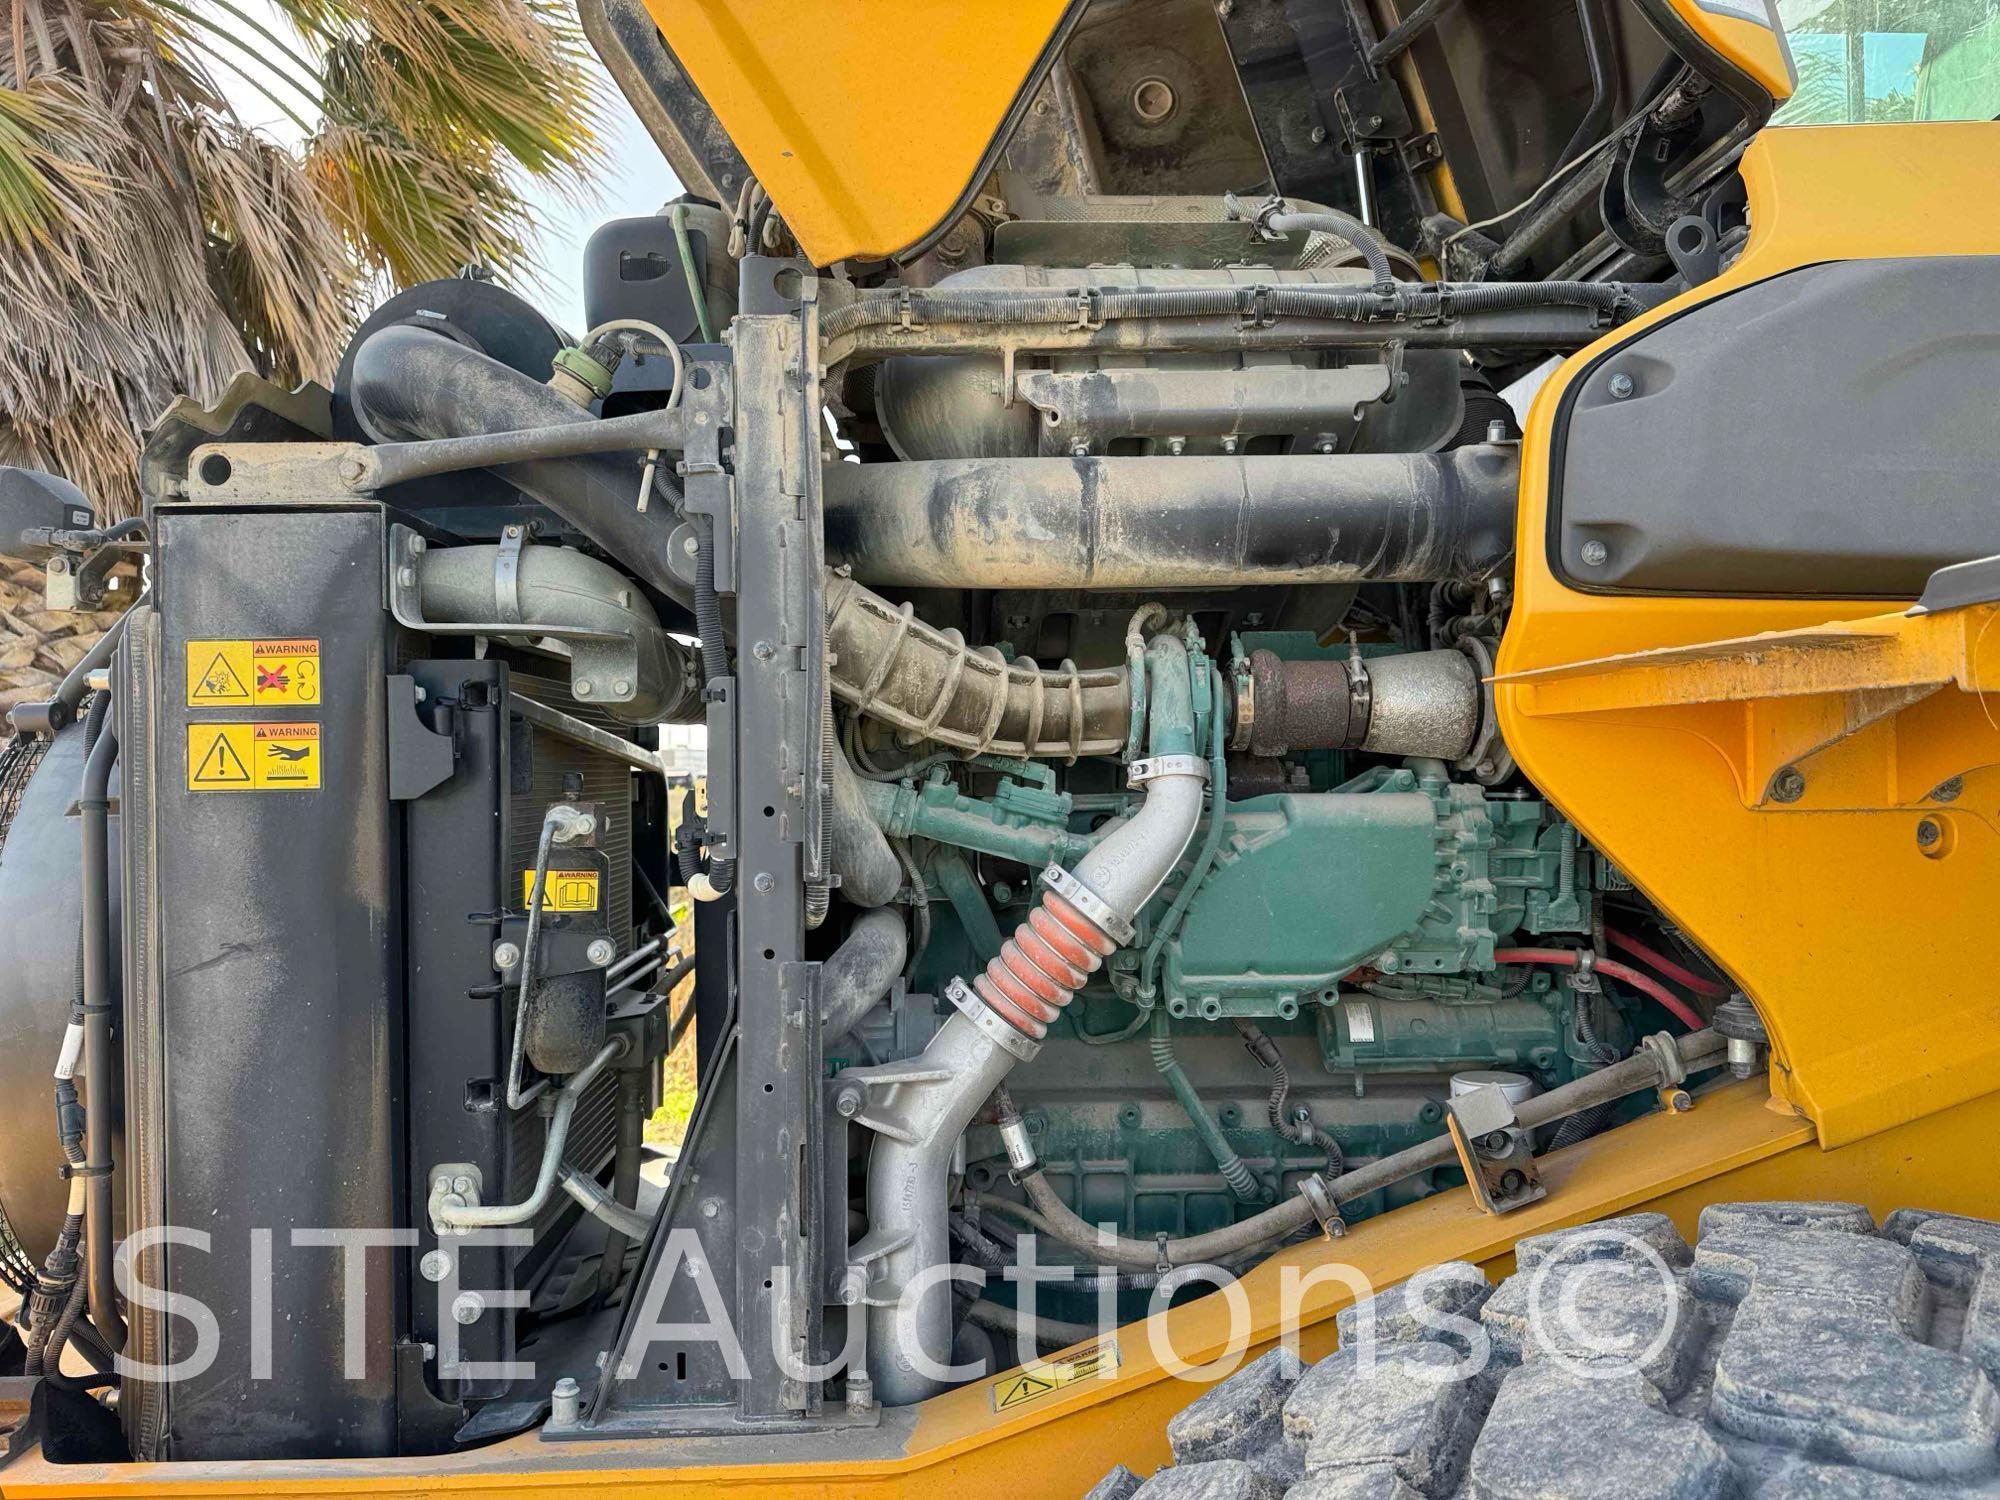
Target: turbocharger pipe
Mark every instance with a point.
(1004, 1014)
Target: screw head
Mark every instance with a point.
(406, 577)
(690, 546)
(622, 688)
(710, 1208)
(763, 651)
(434, 1265)
(1788, 785)
(466, 1308)
(1621, 386)
(461, 1184)
(565, 1388)
(1929, 831)
(1319, 135)
(601, 951)
(584, 688)
(763, 881)
(1595, 553)
(505, 956)
(1948, 791)
(418, 546)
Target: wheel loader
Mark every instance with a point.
(1348, 654)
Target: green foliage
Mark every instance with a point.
(152, 246)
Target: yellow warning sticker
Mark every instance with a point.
(253, 757)
(562, 890)
(252, 674)
(1046, 1377)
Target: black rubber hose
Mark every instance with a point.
(414, 383)
(1345, 227)
(100, 1070)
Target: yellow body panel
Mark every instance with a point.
(865, 121)
(1866, 955)
(1755, 47)
(1735, 1144)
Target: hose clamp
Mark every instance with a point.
(1106, 917)
(1152, 767)
(991, 1026)
(1666, 1055)
(1314, 1190)
(1583, 978)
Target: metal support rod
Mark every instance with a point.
(1408, 30)
(100, 1065)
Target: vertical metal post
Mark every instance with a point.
(780, 633)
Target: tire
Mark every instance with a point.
(1798, 1353)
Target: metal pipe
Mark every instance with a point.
(624, 1178)
(544, 589)
(1000, 1021)
(100, 1066)
(626, 1224)
(1406, 32)
(558, 1110)
(1642, 1070)
(1160, 523)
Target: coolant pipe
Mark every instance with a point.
(921, 1106)
(100, 1066)
(1242, 1181)
(854, 980)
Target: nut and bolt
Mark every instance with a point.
(1496, 431)
(1594, 553)
(584, 688)
(622, 688)
(466, 1308)
(565, 1402)
(505, 956)
(861, 1389)
(461, 1184)
(406, 577)
(1621, 386)
(1788, 785)
(1677, 1100)
(601, 951)
(435, 1265)
(848, 1099)
(1929, 833)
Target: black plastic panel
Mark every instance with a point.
(1829, 432)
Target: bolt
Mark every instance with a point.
(1929, 831)
(601, 951)
(513, 531)
(1175, 445)
(763, 651)
(1947, 791)
(434, 1265)
(1595, 553)
(418, 546)
(441, 1183)
(505, 956)
(1496, 1142)
(58, 565)
(466, 1308)
(352, 468)
(1621, 386)
(1319, 135)
(461, 1184)
(1229, 445)
(622, 688)
(1326, 445)
(848, 1099)
(1496, 431)
(1677, 1100)
(1788, 785)
(1483, 770)
(763, 881)
(406, 577)
(565, 1402)
(689, 545)
(1079, 450)
(710, 1208)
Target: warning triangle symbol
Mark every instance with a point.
(219, 684)
(221, 766)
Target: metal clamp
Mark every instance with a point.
(1314, 1190)
(507, 574)
(1666, 1057)
(1152, 767)
(975, 1010)
(1108, 919)
(1497, 1155)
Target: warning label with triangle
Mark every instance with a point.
(253, 757)
(252, 673)
(1045, 1377)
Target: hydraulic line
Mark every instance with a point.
(1697, 1049)
(1708, 989)
(1242, 1181)
(100, 1066)
(1303, 1132)
(1645, 984)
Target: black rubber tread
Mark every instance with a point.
(1797, 1352)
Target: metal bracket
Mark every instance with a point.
(1152, 767)
(1313, 1189)
(454, 1184)
(1498, 1157)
